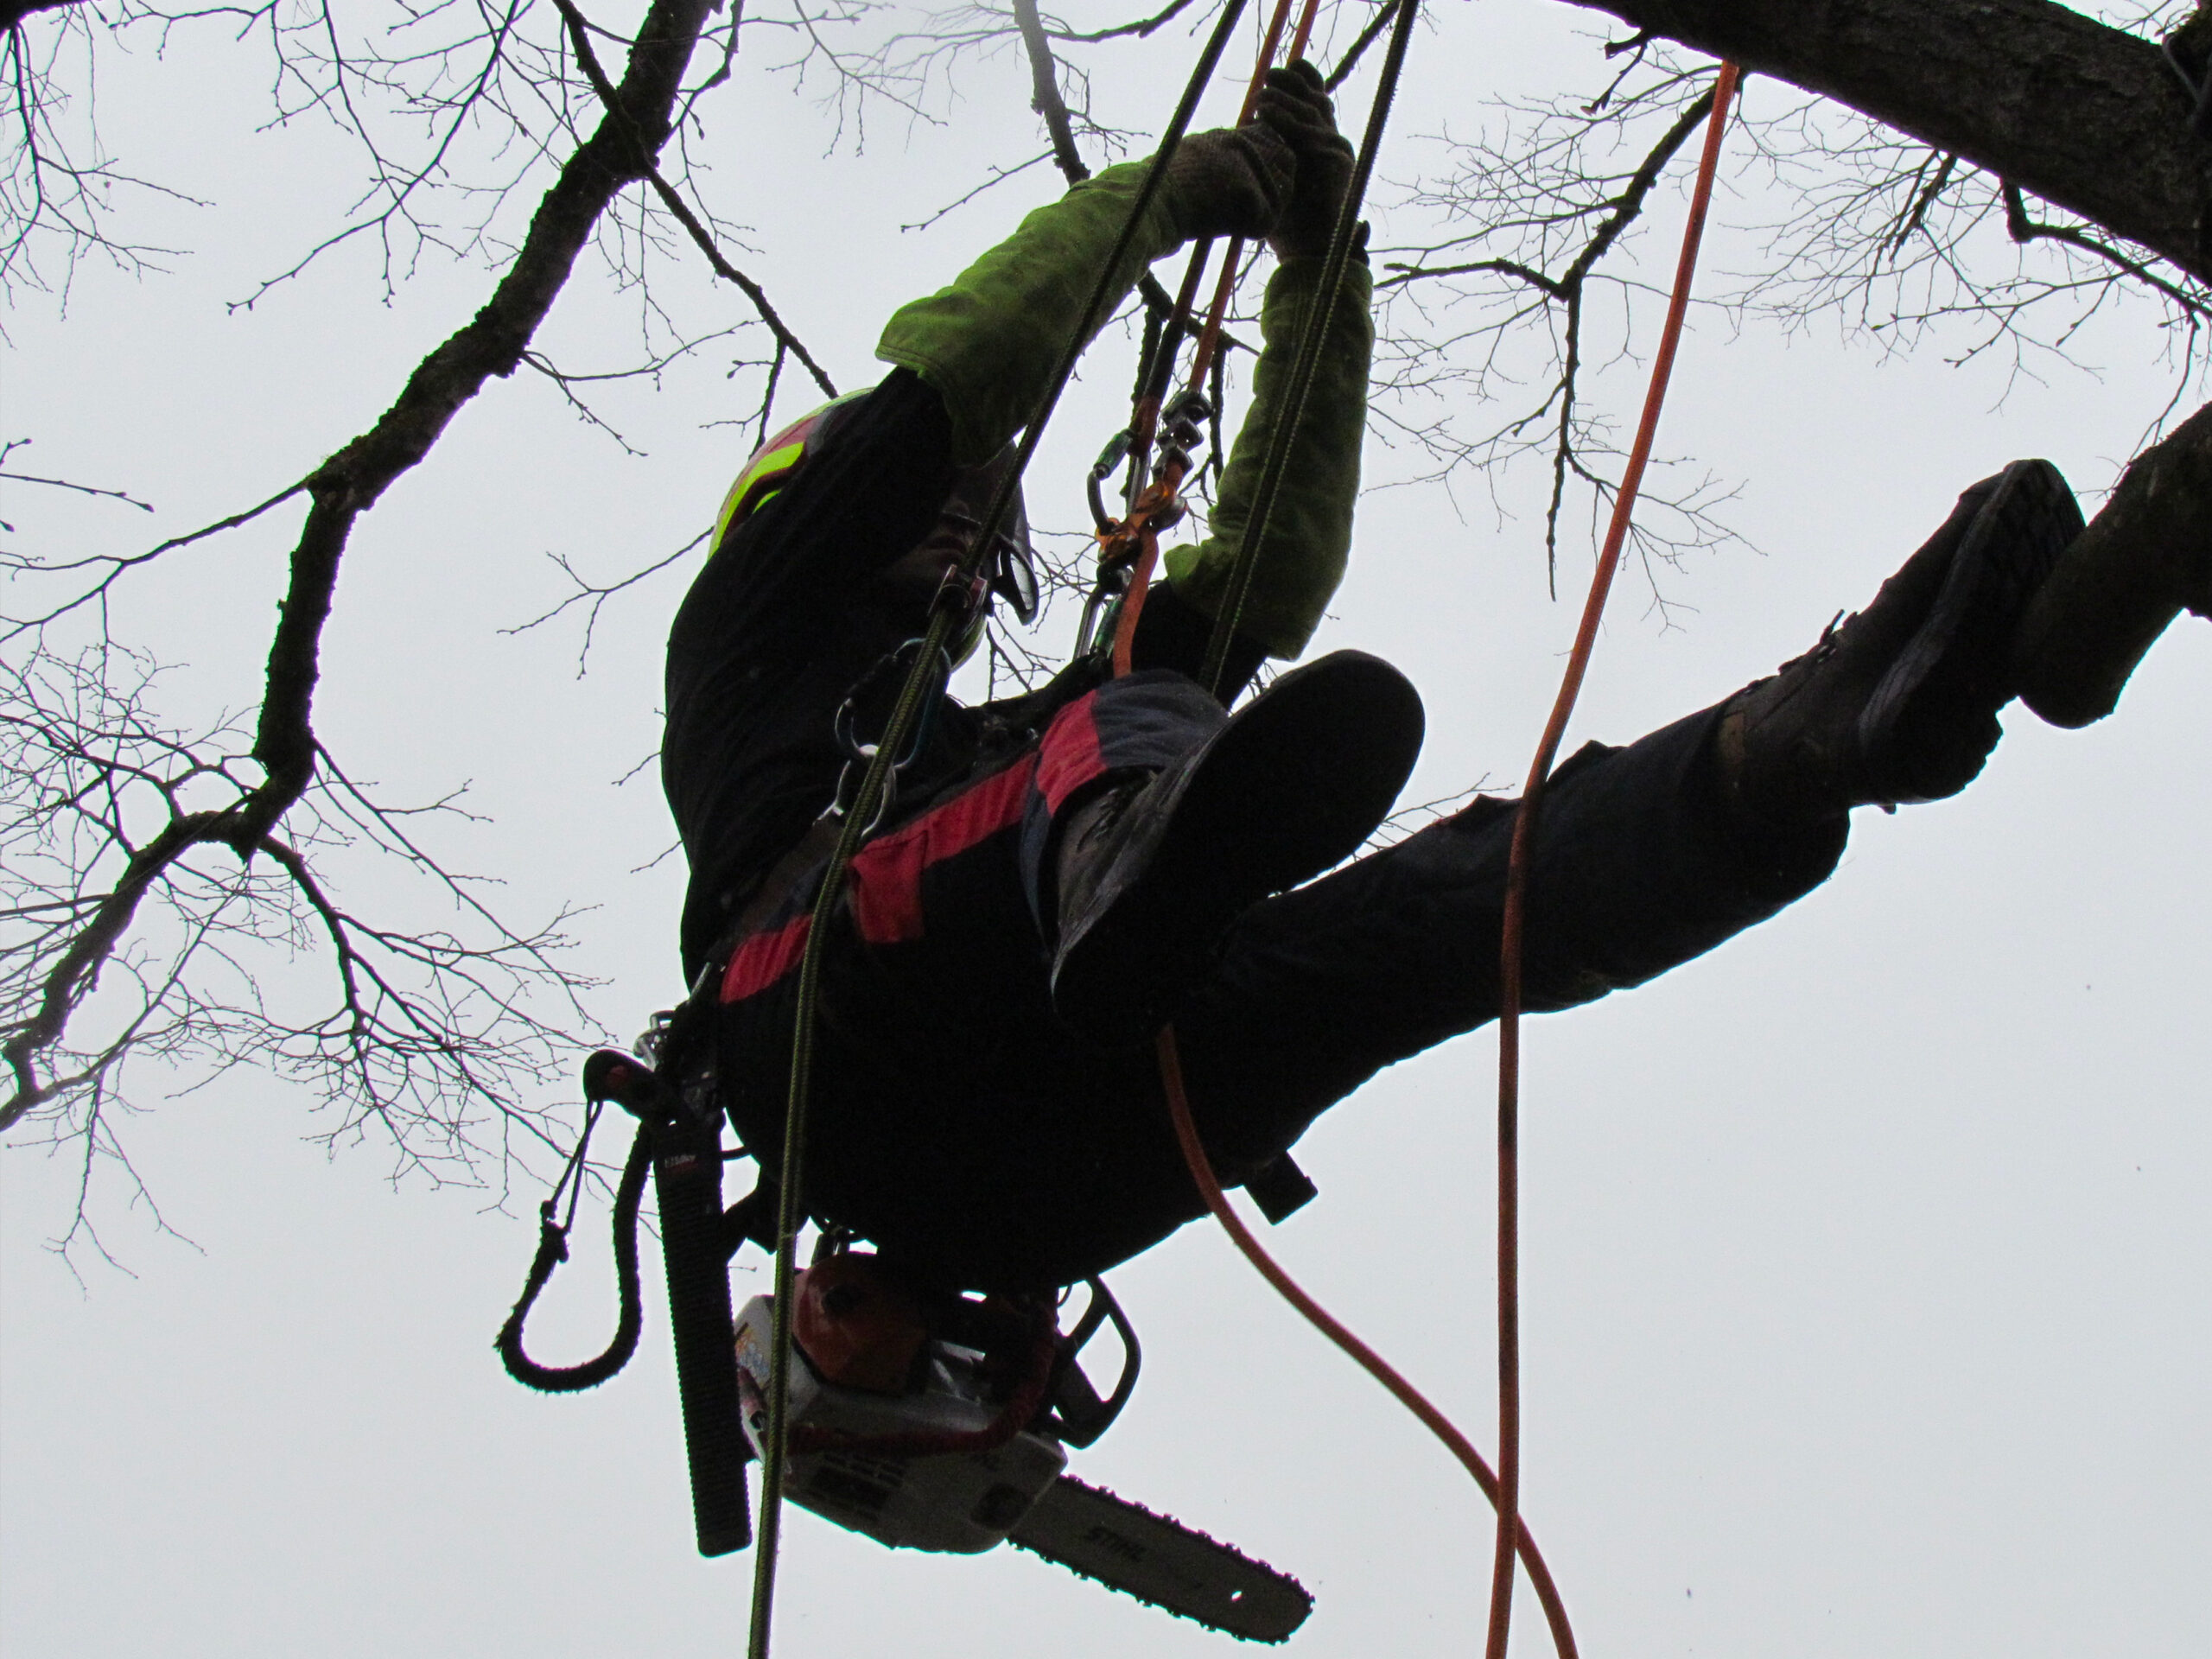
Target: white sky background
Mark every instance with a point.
(1867, 1261)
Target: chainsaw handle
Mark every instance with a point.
(1079, 1415)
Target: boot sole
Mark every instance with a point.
(1291, 787)
(1962, 654)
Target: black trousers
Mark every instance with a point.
(975, 1140)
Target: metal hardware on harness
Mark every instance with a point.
(888, 672)
(1113, 582)
(1181, 433)
(1122, 542)
(1109, 458)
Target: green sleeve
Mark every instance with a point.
(989, 342)
(1309, 529)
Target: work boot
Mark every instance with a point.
(1898, 703)
(1151, 874)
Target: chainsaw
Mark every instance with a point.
(922, 1420)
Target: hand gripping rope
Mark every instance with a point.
(1129, 548)
(963, 589)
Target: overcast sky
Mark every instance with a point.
(1867, 1286)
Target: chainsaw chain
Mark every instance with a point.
(1196, 1532)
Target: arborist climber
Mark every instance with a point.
(1065, 869)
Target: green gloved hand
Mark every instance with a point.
(1230, 182)
(1293, 105)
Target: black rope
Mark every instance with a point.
(958, 592)
(553, 1249)
(1308, 358)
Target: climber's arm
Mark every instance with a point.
(988, 343)
(1309, 529)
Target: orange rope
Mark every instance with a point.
(1516, 894)
(1194, 1154)
(1141, 524)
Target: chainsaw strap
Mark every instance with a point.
(553, 1249)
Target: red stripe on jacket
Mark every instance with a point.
(1069, 757)
(764, 959)
(887, 884)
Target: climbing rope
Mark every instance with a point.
(961, 590)
(1134, 541)
(1201, 1168)
(1514, 927)
(1171, 1074)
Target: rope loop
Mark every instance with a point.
(552, 1250)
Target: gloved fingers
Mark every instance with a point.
(1294, 94)
(1233, 180)
(1306, 130)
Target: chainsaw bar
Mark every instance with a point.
(1126, 1547)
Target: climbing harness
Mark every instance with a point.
(1514, 925)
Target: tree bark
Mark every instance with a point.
(2081, 115)
(14, 11)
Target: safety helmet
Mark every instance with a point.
(1010, 565)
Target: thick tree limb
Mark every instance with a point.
(2084, 116)
(620, 151)
(14, 11)
(2141, 561)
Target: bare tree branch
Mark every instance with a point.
(1548, 206)
(645, 154)
(1121, 31)
(2082, 115)
(619, 151)
(1045, 93)
(1368, 36)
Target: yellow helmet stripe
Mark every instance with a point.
(746, 496)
